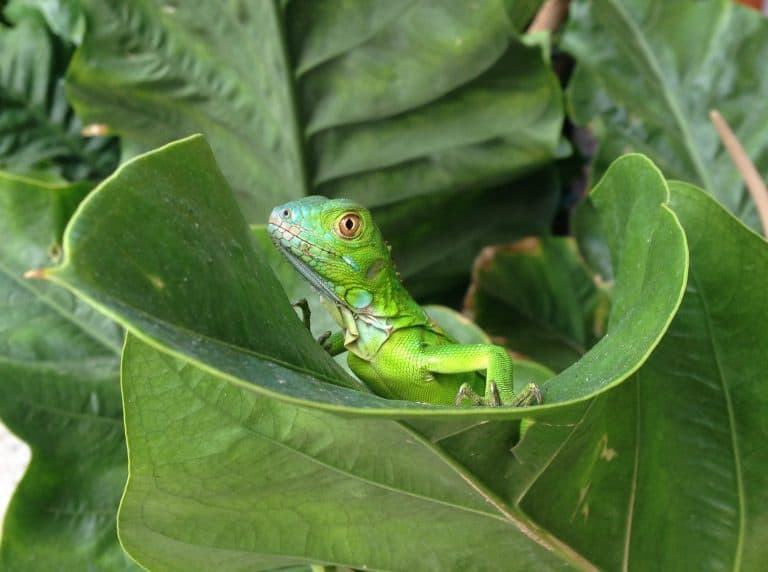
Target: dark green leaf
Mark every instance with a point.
(38, 129)
(434, 258)
(537, 298)
(649, 72)
(585, 225)
(59, 392)
(429, 108)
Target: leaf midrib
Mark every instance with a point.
(633, 484)
(513, 515)
(67, 316)
(731, 422)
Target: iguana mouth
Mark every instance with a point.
(276, 228)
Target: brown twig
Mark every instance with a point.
(744, 165)
(550, 16)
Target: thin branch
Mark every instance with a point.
(744, 165)
(550, 16)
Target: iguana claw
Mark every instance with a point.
(303, 305)
(466, 392)
(322, 338)
(495, 398)
(531, 394)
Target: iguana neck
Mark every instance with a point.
(390, 302)
(391, 308)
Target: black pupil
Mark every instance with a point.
(286, 212)
(349, 224)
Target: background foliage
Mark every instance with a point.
(249, 447)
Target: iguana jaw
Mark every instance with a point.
(277, 230)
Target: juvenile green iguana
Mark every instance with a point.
(394, 347)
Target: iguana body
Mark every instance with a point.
(393, 345)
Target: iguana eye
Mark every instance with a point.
(349, 225)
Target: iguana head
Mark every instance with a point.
(336, 246)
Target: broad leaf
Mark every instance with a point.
(434, 260)
(670, 469)
(222, 478)
(38, 129)
(426, 108)
(588, 234)
(59, 392)
(161, 246)
(537, 298)
(649, 72)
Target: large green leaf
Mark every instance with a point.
(537, 297)
(162, 248)
(38, 129)
(649, 71)
(670, 469)
(59, 392)
(426, 108)
(222, 478)
(435, 259)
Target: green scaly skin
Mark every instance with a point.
(394, 347)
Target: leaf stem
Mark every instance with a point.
(744, 165)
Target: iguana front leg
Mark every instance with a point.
(458, 358)
(333, 343)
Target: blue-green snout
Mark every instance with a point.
(291, 231)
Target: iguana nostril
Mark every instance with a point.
(286, 213)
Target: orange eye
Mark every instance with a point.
(349, 225)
